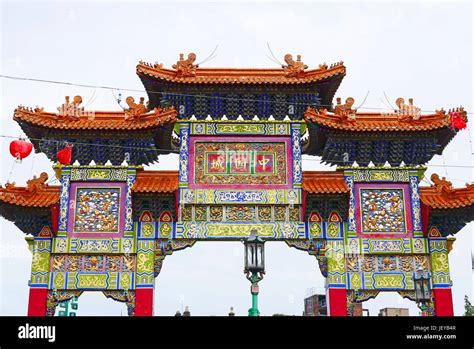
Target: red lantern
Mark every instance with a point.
(65, 155)
(457, 122)
(20, 149)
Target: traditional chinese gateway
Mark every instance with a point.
(240, 135)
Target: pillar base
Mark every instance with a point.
(144, 301)
(37, 301)
(443, 298)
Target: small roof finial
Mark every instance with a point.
(345, 111)
(135, 110)
(441, 185)
(186, 67)
(294, 69)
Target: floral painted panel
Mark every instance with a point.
(96, 209)
(383, 210)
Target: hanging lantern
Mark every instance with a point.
(20, 149)
(457, 122)
(65, 155)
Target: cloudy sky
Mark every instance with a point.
(420, 50)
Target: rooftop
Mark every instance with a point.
(324, 182)
(406, 118)
(293, 72)
(71, 116)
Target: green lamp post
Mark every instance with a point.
(254, 267)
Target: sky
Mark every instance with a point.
(421, 50)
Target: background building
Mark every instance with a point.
(394, 312)
(316, 305)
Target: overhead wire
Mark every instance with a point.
(168, 93)
(112, 89)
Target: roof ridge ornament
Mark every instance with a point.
(70, 109)
(323, 66)
(294, 69)
(135, 110)
(186, 67)
(334, 65)
(10, 185)
(441, 185)
(407, 112)
(345, 111)
(37, 183)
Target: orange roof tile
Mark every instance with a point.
(36, 193)
(324, 182)
(241, 75)
(21, 196)
(96, 120)
(373, 122)
(454, 198)
(156, 182)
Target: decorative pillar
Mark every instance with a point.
(145, 278)
(144, 302)
(336, 280)
(336, 300)
(441, 280)
(40, 247)
(443, 299)
(37, 301)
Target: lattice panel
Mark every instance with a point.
(155, 204)
(326, 204)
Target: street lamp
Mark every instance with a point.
(421, 279)
(254, 267)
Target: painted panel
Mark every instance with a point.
(92, 281)
(209, 230)
(248, 196)
(245, 128)
(380, 281)
(383, 210)
(93, 245)
(97, 209)
(241, 162)
(387, 246)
